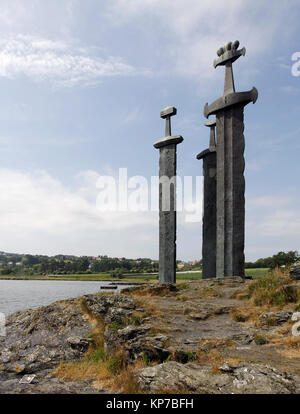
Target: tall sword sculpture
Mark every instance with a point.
(167, 199)
(209, 205)
(229, 111)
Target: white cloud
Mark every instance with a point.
(268, 201)
(184, 36)
(281, 224)
(56, 61)
(38, 214)
(35, 200)
(191, 31)
(272, 225)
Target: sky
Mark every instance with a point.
(82, 84)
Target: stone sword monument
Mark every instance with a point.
(230, 214)
(167, 199)
(209, 158)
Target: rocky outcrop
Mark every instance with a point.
(173, 328)
(295, 271)
(275, 318)
(37, 340)
(241, 379)
(40, 338)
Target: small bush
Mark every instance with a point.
(270, 321)
(183, 286)
(115, 364)
(260, 340)
(116, 325)
(136, 320)
(146, 359)
(239, 318)
(192, 356)
(96, 356)
(238, 315)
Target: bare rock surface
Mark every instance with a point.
(244, 378)
(295, 271)
(39, 338)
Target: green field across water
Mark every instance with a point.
(131, 277)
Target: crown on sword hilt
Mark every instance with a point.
(229, 53)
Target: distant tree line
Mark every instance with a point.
(62, 264)
(35, 264)
(277, 260)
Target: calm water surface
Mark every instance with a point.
(24, 294)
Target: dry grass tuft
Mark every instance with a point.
(209, 293)
(150, 309)
(246, 314)
(179, 390)
(274, 291)
(108, 371)
(150, 291)
(211, 353)
(215, 358)
(288, 347)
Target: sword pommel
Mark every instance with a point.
(168, 111)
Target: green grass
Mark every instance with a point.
(257, 273)
(129, 277)
(92, 277)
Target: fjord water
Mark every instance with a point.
(24, 294)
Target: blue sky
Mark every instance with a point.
(82, 84)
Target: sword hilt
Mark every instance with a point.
(212, 138)
(166, 114)
(227, 55)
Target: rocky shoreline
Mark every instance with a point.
(186, 336)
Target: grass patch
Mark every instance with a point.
(116, 325)
(96, 355)
(211, 353)
(209, 293)
(260, 340)
(240, 295)
(192, 356)
(108, 371)
(273, 290)
(136, 319)
(238, 317)
(247, 314)
(183, 286)
(257, 272)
